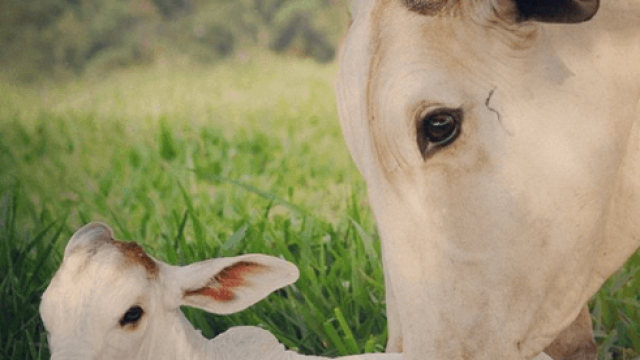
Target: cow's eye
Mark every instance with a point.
(132, 315)
(438, 128)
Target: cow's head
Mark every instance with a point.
(500, 157)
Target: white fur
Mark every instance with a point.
(493, 244)
(98, 283)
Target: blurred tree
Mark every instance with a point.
(58, 37)
(297, 31)
(172, 8)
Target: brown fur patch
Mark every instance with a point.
(576, 342)
(135, 255)
(216, 293)
(426, 7)
(234, 275)
(221, 286)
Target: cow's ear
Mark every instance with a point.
(555, 11)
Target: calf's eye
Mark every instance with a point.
(438, 128)
(132, 315)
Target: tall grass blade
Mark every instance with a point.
(366, 240)
(235, 238)
(198, 228)
(348, 335)
(334, 338)
(123, 229)
(255, 190)
(44, 254)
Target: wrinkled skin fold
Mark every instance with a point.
(493, 243)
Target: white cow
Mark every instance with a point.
(501, 149)
(111, 301)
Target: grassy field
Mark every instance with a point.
(246, 156)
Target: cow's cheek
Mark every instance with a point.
(438, 267)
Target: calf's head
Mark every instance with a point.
(110, 300)
(500, 155)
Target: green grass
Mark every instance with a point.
(204, 162)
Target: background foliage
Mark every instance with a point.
(198, 162)
(41, 38)
(177, 124)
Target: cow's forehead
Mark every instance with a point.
(104, 274)
(467, 45)
(105, 283)
(431, 7)
(417, 56)
(117, 254)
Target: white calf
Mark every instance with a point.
(110, 300)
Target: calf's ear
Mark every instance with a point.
(556, 11)
(228, 285)
(92, 234)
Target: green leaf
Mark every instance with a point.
(348, 335)
(235, 238)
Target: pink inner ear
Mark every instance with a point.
(221, 286)
(218, 294)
